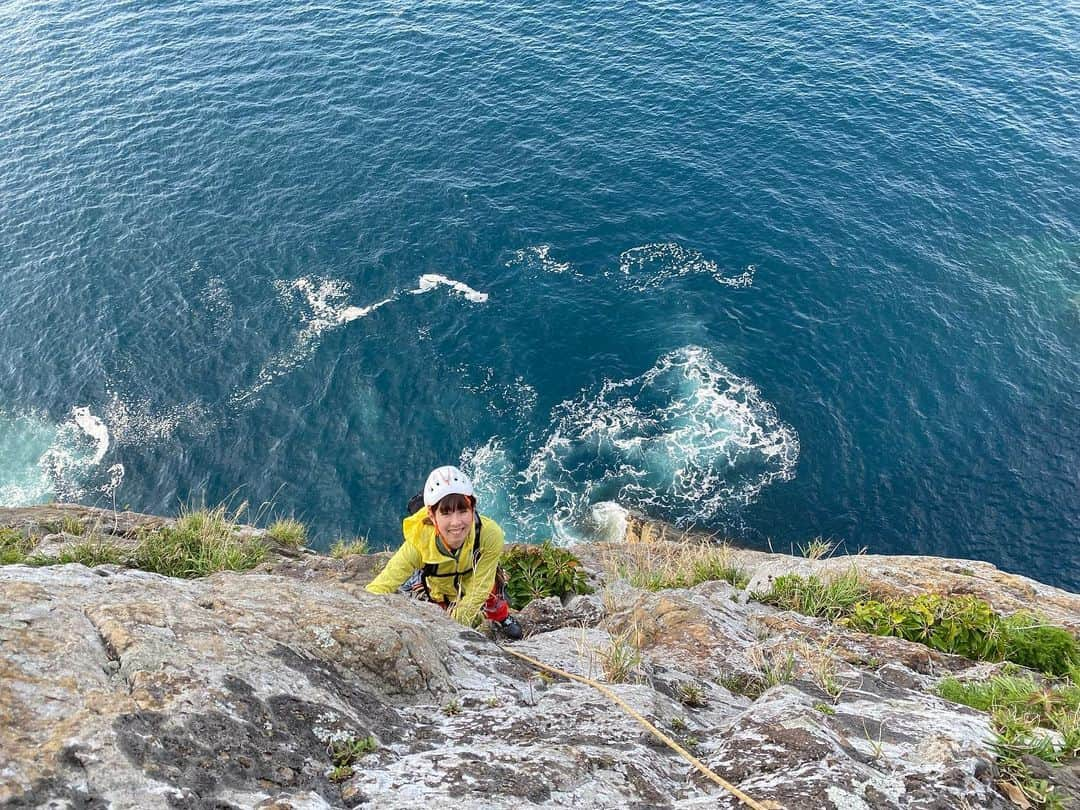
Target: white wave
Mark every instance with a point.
(429, 281)
(687, 440)
(539, 255)
(650, 266)
(326, 308)
(42, 461)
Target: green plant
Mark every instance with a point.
(345, 753)
(678, 724)
(774, 667)
(88, 553)
(1020, 708)
(746, 685)
(288, 532)
(343, 549)
(619, 659)
(201, 542)
(452, 707)
(825, 708)
(690, 693)
(813, 597)
(658, 566)
(14, 546)
(536, 572)
(1040, 646)
(72, 525)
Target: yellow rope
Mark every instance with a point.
(697, 763)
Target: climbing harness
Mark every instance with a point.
(670, 743)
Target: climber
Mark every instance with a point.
(451, 555)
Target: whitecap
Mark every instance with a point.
(429, 281)
(326, 307)
(42, 461)
(687, 441)
(650, 266)
(540, 256)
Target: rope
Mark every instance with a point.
(670, 743)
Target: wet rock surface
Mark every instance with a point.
(125, 689)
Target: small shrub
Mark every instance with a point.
(678, 724)
(536, 572)
(288, 532)
(339, 773)
(452, 708)
(201, 542)
(1039, 646)
(813, 597)
(14, 546)
(343, 549)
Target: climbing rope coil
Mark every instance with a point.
(670, 743)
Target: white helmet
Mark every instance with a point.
(445, 481)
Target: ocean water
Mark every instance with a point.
(774, 270)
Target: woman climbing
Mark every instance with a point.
(451, 555)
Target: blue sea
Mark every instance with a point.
(773, 270)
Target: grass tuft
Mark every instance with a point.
(202, 542)
(288, 532)
(814, 597)
(343, 549)
(817, 549)
(14, 546)
(659, 566)
(620, 659)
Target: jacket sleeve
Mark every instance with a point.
(401, 566)
(483, 578)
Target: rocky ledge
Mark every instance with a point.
(289, 686)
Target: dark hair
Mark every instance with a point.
(453, 502)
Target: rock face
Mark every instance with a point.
(125, 689)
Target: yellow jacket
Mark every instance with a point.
(420, 548)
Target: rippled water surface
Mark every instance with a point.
(776, 270)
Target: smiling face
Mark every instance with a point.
(453, 517)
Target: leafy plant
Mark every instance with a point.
(1039, 646)
(536, 572)
(345, 753)
(288, 532)
(452, 708)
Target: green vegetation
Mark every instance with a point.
(90, 553)
(961, 625)
(14, 546)
(658, 566)
(1021, 711)
(345, 753)
(452, 708)
(343, 549)
(690, 693)
(72, 525)
(202, 542)
(813, 597)
(288, 532)
(824, 708)
(539, 571)
(620, 659)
